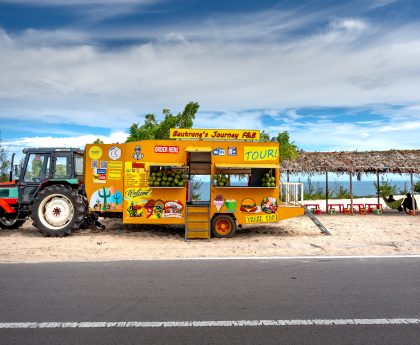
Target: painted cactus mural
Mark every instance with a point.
(117, 197)
(105, 195)
(106, 200)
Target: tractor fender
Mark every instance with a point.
(6, 207)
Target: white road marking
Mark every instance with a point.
(197, 324)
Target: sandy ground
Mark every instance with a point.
(387, 234)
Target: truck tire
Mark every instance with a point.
(223, 226)
(57, 211)
(10, 223)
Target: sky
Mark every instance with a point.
(337, 75)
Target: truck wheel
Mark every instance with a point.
(57, 211)
(223, 226)
(10, 223)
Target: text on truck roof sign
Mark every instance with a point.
(214, 134)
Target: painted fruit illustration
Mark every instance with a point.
(269, 204)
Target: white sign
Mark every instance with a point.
(114, 153)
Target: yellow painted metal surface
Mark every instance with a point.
(104, 174)
(118, 179)
(198, 149)
(286, 212)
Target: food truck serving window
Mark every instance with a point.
(245, 175)
(167, 175)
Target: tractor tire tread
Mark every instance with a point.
(78, 208)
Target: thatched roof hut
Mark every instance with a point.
(392, 161)
(364, 162)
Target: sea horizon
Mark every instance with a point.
(360, 188)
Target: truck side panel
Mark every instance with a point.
(104, 172)
(152, 205)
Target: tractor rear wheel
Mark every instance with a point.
(57, 211)
(10, 223)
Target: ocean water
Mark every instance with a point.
(360, 188)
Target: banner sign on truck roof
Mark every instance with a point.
(214, 134)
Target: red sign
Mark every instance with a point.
(136, 165)
(166, 149)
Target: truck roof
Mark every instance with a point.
(52, 149)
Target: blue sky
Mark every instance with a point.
(338, 75)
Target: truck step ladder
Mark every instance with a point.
(197, 224)
(316, 221)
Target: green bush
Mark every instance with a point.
(417, 187)
(386, 188)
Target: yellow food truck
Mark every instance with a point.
(150, 181)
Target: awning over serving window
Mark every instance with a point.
(198, 149)
(246, 166)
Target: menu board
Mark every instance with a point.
(136, 174)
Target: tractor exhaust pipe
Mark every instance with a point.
(11, 168)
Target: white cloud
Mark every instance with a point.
(16, 146)
(229, 119)
(238, 75)
(381, 3)
(375, 132)
(349, 24)
(50, 38)
(227, 64)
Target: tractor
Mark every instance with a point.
(49, 190)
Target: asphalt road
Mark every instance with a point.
(212, 290)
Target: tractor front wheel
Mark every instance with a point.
(10, 223)
(57, 211)
(223, 226)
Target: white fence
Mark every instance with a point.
(291, 193)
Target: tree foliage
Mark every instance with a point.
(153, 129)
(98, 141)
(264, 137)
(288, 149)
(4, 163)
(196, 185)
(386, 188)
(417, 187)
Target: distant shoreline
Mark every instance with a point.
(361, 189)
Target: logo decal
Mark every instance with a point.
(114, 153)
(219, 152)
(95, 152)
(137, 155)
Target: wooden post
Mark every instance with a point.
(377, 183)
(412, 192)
(287, 176)
(326, 191)
(351, 192)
